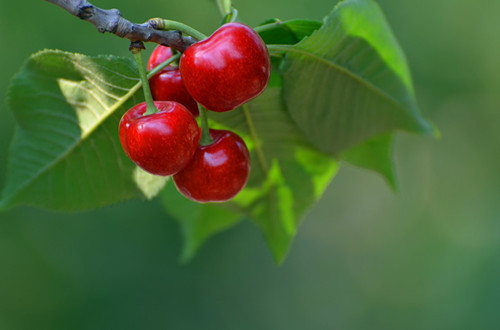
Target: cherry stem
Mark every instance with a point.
(232, 16)
(227, 11)
(278, 50)
(165, 24)
(205, 139)
(268, 26)
(224, 7)
(136, 49)
(160, 66)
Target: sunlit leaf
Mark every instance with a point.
(66, 154)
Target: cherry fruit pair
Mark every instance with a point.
(166, 143)
(221, 73)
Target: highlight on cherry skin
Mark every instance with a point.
(218, 171)
(167, 84)
(227, 69)
(161, 143)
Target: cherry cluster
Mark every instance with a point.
(222, 72)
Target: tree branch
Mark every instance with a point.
(112, 21)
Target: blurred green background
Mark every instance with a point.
(427, 257)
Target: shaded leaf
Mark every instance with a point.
(290, 32)
(349, 80)
(375, 154)
(198, 222)
(288, 174)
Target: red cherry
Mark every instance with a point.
(159, 55)
(228, 69)
(217, 172)
(167, 84)
(161, 143)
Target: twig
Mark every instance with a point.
(111, 20)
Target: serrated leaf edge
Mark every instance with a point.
(4, 203)
(423, 124)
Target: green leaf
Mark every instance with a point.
(198, 221)
(288, 174)
(374, 154)
(66, 154)
(290, 32)
(349, 80)
(149, 184)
